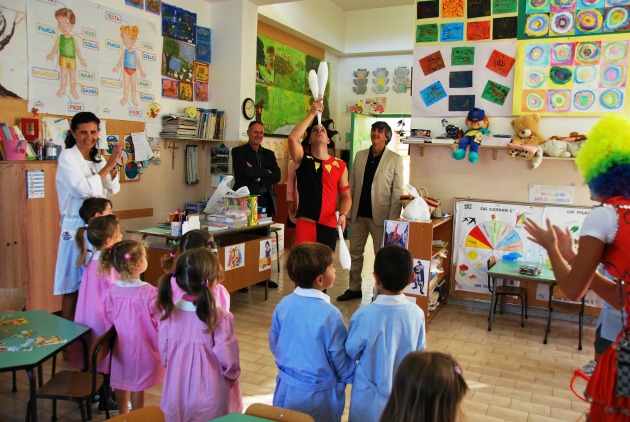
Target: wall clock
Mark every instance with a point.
(249, 108)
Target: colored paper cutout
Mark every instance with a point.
(452, 32)
(478, 8)
(504, 28)
(533, 101)
(479, 30)
(461, 102)
(495, 92)
(452, 9)
(427, 9)
(500, 63)
(427, 33)
(462, 56)
(463, 79)
(433, 93)
(504, 6)
(432, 63)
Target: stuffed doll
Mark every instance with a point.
(477, 123)
(526, 142)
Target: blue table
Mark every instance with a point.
(43, 324)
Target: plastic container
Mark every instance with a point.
(12, 152)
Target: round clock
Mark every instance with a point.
(191, 112)
(249, 108)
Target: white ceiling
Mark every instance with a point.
(349, 5)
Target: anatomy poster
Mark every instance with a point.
(584, 76)
(80, 63)
(452, 79)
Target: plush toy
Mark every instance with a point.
(556, 148)
(477, 123)
(527, 141)
(564, 146)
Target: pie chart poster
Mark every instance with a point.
(485, 229)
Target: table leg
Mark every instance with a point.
(32, 403)
(277, 251)
(492, 300)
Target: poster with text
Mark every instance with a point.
(450, 80)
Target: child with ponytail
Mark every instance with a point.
(131, 307)
(197, 334)
(192, 240)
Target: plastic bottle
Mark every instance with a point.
(51, 150)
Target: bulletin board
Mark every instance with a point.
(452, 79)
(484, 228)
(580, 76)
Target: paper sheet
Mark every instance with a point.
(141, 146)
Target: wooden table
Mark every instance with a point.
(43, 324)
(240, 417)
(508, 270)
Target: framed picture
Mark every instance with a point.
(30, 128)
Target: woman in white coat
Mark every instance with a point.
(82, 173)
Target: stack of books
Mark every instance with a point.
(231, 219)
(179, 126)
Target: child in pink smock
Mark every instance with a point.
(197, 344)
(102, 233)
(131, 307)
(191, 240)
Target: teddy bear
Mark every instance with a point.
(477, 123)
(527, 141)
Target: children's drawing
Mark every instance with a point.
(153, 6)
(178, 59)
(112, 140)
(453, 9)
(130, 64)
(478, 8)
(396, 233)
(179, 24)
(13, 61)
(67, 50)
(203, 46)
(234, 256)
(185, 91)
(504, 28)
(135, 3)
(201, 72)
(478, 30)
(201, 91)
(427, 33)
(170, 88)
(452, 32)
(264, 258)
(427, 9)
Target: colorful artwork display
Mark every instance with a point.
(179, 24)
(585, 76)
(450, 80)
(78, 63)
(551, 18)
(203, 46)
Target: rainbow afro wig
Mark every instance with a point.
(604, 159)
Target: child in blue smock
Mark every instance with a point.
(383, 333)
(307, 338)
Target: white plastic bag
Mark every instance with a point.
(216, 204)
(417, 208)
(344, 253)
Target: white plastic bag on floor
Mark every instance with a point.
(417, 208)
(344, 253)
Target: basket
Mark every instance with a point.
(435, 205)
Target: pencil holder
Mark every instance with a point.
(12, 152)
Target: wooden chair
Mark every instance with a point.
(503, 291)
(81, 386)
(279, 414)
(146, 414)
(13, 300)
(564, 306)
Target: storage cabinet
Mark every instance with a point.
(29, 234)
(421, 237)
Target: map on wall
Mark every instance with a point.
(584, 76)
(283, 96)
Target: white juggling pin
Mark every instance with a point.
(344, 253)
(313, 83)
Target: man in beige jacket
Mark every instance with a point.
(375, 185)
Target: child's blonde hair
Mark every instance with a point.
(99, 229)
(130, 31)
(122, 257)
(64, 12)
(428, 387)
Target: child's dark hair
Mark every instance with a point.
(307, 261)
(193, 239)
(78, 119)
(394, 267)
(428, 387)
(123, 257)
(195, 271)
(99, 229)
(93, 206)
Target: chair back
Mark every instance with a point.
(492, 261)
(101, 349)
(556, 294)
(144, 414)
(12, 299)
(278, 414)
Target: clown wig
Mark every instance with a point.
(604, 159)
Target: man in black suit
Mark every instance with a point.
(256, 167)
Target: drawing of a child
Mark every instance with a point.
(129, 60)
(68, 50)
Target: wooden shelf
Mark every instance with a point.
(181, 138)
(495, 150)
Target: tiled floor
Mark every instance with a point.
(512, 376)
